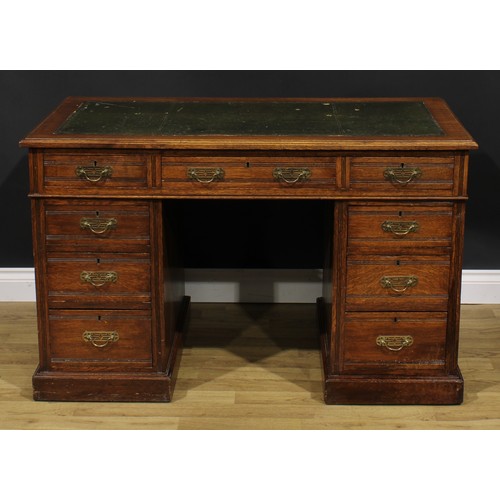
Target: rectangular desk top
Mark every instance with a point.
(187, 123)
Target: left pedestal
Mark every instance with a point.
(110, 298)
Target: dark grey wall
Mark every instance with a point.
(251, 232)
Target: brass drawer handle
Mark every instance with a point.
(98, 278)
(100, 339)
(94, 173)
(400, 228)
(291, 175)
(98, 225)
(398, 284)
(394, 342)
(205, 175)
(402, 174)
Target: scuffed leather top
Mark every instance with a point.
(329, 118)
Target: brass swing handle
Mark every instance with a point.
(205, 175)
(93, 173)
(398, 284)
(291, 175)
(402, 174)
(98, 225)
(394, 342)
(98, 278)
(400, 228)
(100, 339)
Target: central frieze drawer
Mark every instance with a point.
(99, 280)
(94, 172)
(394, 342)
(294, 176)
(398, 284)
(102, 340)
(97, 225)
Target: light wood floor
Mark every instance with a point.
(249, 367)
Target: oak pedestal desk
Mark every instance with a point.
(105, 174)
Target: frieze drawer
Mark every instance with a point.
(94, 172)
(204, 176)
(402, 175)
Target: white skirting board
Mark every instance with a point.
(256, 285)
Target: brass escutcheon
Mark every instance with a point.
(394, 342)
(291, 175)
(400, 228)
(93, 173)
(98, 278)
(398, 284)
(402, 174)
(100, 339)
(205, 175)
(98, 225)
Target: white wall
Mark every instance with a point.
(256, 285)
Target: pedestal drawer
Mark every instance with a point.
(400, 228)
(394, 342)
(398, 284)
(99, 280)
(97, 225)
(248, 176)
(102, 339)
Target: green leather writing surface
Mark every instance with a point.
(252, 118)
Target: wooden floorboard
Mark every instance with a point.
(249, 367)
